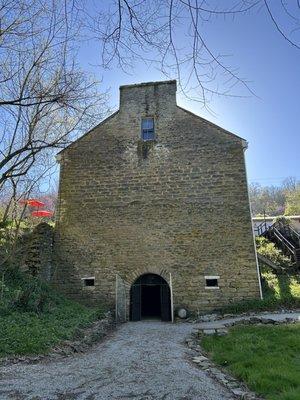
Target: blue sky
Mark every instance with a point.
(270, 120)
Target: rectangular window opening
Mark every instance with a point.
(147, 132)
(88, 281)
(212, 282)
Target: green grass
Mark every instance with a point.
(279, 291)
(34, 317)
(31, 333)
(266, 358)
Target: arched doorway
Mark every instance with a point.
(150, 298)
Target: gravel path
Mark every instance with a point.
(141, 360)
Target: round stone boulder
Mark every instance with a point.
(182, 313)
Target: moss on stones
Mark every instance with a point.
(144, 147)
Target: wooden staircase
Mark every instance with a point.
(284, 236)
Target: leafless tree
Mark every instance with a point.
(170, 35)
(45, 98)
(290, 184)
(275, 200)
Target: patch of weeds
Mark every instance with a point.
(279, 291)
(34, 317)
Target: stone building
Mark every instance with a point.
(153, 211)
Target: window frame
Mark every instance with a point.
(147, 130)
(87, 278)
(212, 277)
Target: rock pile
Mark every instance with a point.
(221, 329)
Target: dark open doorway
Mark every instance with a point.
(150, 301)
(150, 298)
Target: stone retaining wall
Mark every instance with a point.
(37, 252)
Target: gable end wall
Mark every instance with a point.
(178, 207)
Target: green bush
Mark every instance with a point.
(279, 291)
(270, 251)
(22, 292)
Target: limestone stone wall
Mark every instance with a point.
(36, 251)
(176, 206)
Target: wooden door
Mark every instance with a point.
(121, 303)
(136, 302)
(165, 303)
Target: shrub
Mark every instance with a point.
(279, 291)
(21, 292)
(270, 251)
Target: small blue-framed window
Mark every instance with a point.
(147, 132)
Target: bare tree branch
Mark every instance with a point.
(278, 27)
(170, 35)
(45, 98)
